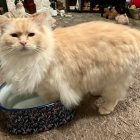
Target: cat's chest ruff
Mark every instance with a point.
(24, 75)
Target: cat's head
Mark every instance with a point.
(22, 35)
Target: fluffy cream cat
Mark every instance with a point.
(67, 63)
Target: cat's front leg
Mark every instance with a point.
(69, 96)
(47, 94)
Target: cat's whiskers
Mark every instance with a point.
(36, 50)
(5, 49)
(7, 52)
(41, 50)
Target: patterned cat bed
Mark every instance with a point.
(29, 114)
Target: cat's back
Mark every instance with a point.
(95, 29)
(97, 39)
(97, 36)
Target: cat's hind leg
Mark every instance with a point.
(112, 94)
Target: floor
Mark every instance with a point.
(122, 124)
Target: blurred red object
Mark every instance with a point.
(30, 6)
(135, 2)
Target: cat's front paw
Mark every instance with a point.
(104, 111)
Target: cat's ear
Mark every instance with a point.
(39, 18)
(3, 20)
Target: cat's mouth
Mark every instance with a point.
(24, 49)
(27, 50)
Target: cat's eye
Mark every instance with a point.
(31, 34)
(14, 35)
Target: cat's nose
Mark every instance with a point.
(23, 42)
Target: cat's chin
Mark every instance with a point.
(26, 52)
